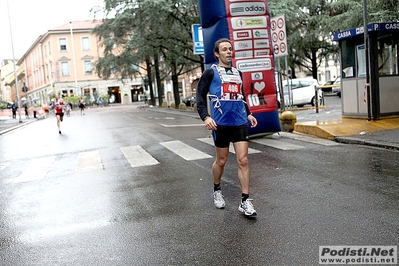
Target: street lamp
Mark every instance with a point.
(74, 58)
(15, 70)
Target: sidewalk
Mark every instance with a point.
(8, 124)
(383, 133)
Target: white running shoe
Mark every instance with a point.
(218, 199)
(247, 208)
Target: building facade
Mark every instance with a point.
(62, 61)
(7, 78)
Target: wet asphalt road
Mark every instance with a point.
(55, 213)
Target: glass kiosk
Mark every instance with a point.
(384, 74)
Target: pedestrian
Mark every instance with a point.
(58, 106)
(82, 105)
(14, 109)
(228, 121)
(68, 109)
(26, 110)
(34, 109)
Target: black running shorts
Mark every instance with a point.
(61, 116)
(224, 135)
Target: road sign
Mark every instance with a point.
(279, 36)
(24, 89)
(198, 40)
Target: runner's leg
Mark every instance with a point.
(241, 149)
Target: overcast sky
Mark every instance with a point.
(31, 18)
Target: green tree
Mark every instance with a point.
(123, 50)
(383, 11)
(178, 50)
(157, 32)
(349, 14)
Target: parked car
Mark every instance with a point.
(331, 84)
(302, 92)
(189, 101)
(337, 90)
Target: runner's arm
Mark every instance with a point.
(202, 92)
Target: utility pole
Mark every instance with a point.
(74, 58)
(15, 69)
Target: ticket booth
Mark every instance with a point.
(383, 71)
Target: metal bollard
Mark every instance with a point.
(316, 98)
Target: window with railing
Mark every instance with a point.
(63, 44)
(88, 67)
(65, 68)
(85, 43)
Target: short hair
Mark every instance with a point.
(216, 47)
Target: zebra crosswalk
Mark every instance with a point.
(185, 151)
(278, 144)
(138, 156)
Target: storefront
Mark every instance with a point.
(114, 94)
(137, 93)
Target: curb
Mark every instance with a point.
(21, 124)
(368, 142)
(313, 130)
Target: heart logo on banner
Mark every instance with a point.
(259, 86)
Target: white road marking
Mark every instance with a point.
(162, 118)
(36, 170)
(231, 147)
(137, 156)
(277, 144)
(315, 140)
(186, 125)
(89, 162)
(185, 151)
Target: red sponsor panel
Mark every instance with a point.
(249, 30)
